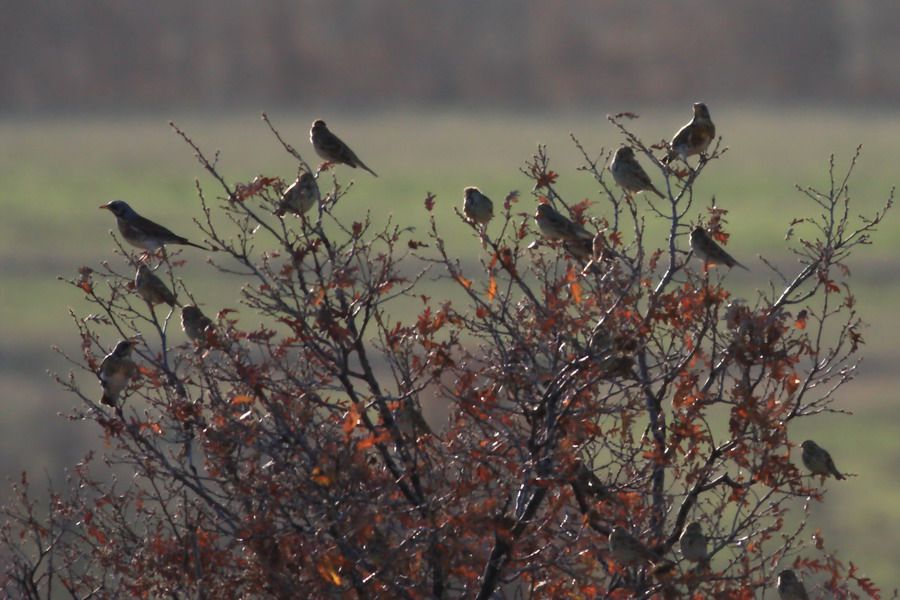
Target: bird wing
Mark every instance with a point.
(641, 175)
(340, 151)
(104, 365)
(150, 228)
(683, 136)
(571, 228)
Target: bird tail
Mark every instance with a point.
(207, 248)
(656, 191)
(363, 166)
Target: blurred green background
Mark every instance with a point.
(85, 112)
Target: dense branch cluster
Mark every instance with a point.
(617, 420)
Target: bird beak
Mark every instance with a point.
(106, 206)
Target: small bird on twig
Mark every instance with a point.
(693, 543)
(789, 587)
(588, 483)
(629, 174)
(195, 324)
(116, 372)
(626, 550)
(555, 226)
(300, 196)
(141, 232)
(694, 138)
(151, 288)
(477, 207)
(410, 421)
(709, 251)
(818, 460)
(332, 149)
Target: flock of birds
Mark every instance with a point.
(693, 139)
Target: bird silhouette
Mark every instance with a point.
(694, 138)
(332, 148)
(142, 232)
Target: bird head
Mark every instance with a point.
(123, 348)
(470, 191)
(624, 152)
(544, 211)
(318, 124)
(700, 111)
(119, 208)
(698, 233)
(787, 575)
(191, 312)
(808, 445)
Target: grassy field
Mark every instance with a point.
(56, 171)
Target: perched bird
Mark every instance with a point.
(554, 226)
(331, 148)
(625, 549)
(116, 372)
(410, 421)
(587, 483)
(300, 196)
(789, 587)
(709, 251)
(477, 207)
(142, 232)
(818, 461)
(693, 138)
(693, 543)
(195, 324)
(151, 288)
(629, 174)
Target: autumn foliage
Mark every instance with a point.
(287, 456)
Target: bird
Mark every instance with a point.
(626, 550)
(789, 587)
(410, 421)
(477, 207)
(332, 149)
(151, 288)
(693, 543)
(629, 174)
(195, 324)
(693, 138)
(116, 372)
(587, 482)
(555, 226)
(141, 232)
(818, 460)
(300, 196)
(709, 251)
